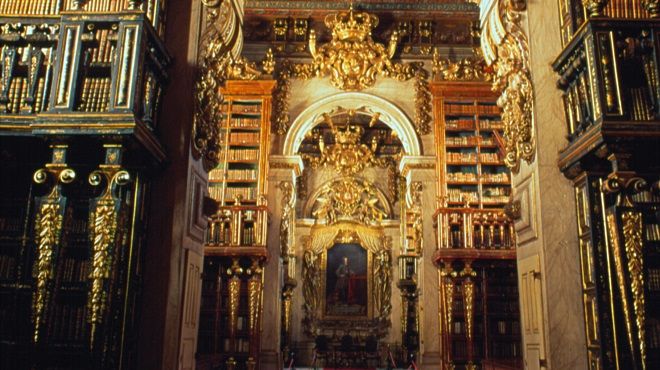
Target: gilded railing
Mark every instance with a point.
(472, 228)
(574, 13)
(153, 9)
(609, 77)
(236, 226)
(82, 73)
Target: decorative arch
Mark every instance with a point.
(390, 114)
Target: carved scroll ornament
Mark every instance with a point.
(48, 228)
(103, 229)
(504, 46)
(352, 58)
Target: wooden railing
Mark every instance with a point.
(237, 226)
(64, 75)
(609, 77)
(471, 228)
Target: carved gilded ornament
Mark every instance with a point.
(349, 199)
(347, 155)
(627, 245)
(653, 7)
(48, 228)
(287, 221)
(466, 69)
(103, 229)
(505, 47)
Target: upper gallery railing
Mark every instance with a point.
(609, 78)
(153, 9)
(79, 72)
(238, 226)
(472, 228)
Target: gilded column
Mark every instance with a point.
(49, 219)
(103, 228)
(468, 304)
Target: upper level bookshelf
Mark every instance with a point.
(244, 135)
(471, 166)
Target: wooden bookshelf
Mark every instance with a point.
(476, 241)
(244, 135)
(471, 167)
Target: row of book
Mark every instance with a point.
(68, 323)
(76, 226)
(105, 50)
(496, 199)
(462, 176)
(233, 174)
(489, 109)
(506, 327)
(506, 350)
(462, 140)
(32, 7)
(74, 270)
(625, 9)
(458, 195)
(460, 124)
(244, 137)
(245, 108)
(223, 236)
(645, 197)
(654, 279)
(459, 108)
(95, 94)
(245, 123)
(243, 154)
(495, 177)
(653, 232)
(7, 266)
(489, 157)
(653, 335)
(461, 157)
(231, 193)
(18, 94)
(242, 345)
(10, 226)
(487, 124)
(496, 191)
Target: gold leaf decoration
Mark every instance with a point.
(507, 50)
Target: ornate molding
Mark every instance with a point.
(349, 199)
(48, 228)
(423, 107)
(288, 217)
(505, 46)
(280, 118)
(347, 155)
(103, 228)
(466, 69)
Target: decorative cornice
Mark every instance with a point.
(505, 46)
(352, 58)
(372, 5)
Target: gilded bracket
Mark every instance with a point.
(505, 46)
(48, 230)
(103, 219)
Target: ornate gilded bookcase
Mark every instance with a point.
(235, 252)
(479, 318)
(608, 73)
(72, 217)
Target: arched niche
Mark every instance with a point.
(390, 114)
